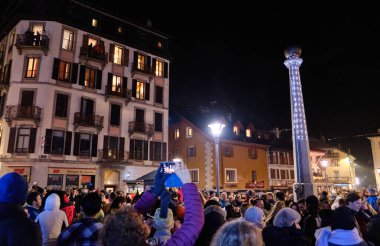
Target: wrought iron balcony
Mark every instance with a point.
(21, 112)
(111, 154)
(141, 127)
(142, 68)
(32, 42)
(88, 120)
(119, 92)
(94, 53)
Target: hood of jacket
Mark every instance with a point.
(52, 202)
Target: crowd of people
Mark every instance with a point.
(184, 216)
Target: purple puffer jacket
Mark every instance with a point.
(193, 221)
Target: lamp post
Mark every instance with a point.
(324, 164)
(216, 130)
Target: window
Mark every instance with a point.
(227, 151)
(141, 62)
(113, 148)
(115, 115)
(159, 69)
(57, 143)
(61, 105)
(283, 174)
(140, 90)
(94, 22)
(248, 133)
(89, 77)
(254, 176)
(117, 55)
(189, 132)
(336, 174)
(23, 140)
(157, 151)
(85, 145)
(116, 83)
(335, 162)
(159, 44)
(68, 40)
(273, 173)
(158, 122)
(291, 174)
(191, 151)
(92, 42)
(37, 28)
(32, 67)
(138, 149)
(159, 95)
(194, 175)
(282, 158)
(120, 29)
(176, 133)
(252, 152)
(230, 175)
(64, 71)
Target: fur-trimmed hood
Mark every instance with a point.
(215, 209)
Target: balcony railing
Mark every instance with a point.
(21, 112)
(142, 68)
(127, 94)
(339, 180)
(30, 41)
(89, 120)
(142, 127)
(111, 154)
(94, 53)
(280, 182)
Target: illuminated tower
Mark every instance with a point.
(302, 186)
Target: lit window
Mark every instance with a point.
(248, 133)
(94, 22)
(140, 62)
(159, 71)
(37, 29)
(64, 71)
(140, 90)
(117, 55)
(176, 134)
(236, 132)
(159, 44)
(119, 29)
(230, 175)
(92, 42)
(189, 132)
(68, 40)
(116, 83)
(89, 78)
(32, 67)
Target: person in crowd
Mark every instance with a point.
(312, 220)
(118, 203)
(374, 226)
(270, 199)
(372, 198)
(233, 210)
(68, 207)
(272, 214)
(163, 227)
(343, 230)
(294, 206)
(16, 229)
(52, 220)
(237, 233)
(126, 227)
(354, 204)
(280, 196)
(285, 230)
(337, 202)
(34, 201)
(86, 231)
(107, 207)
(256, 216)
(214, 218)
(223, 200)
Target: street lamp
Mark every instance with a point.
(216, 130)
(324, 164)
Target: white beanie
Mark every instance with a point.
(163, 223)
(255, 215)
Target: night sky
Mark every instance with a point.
(232, 54)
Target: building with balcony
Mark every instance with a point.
(242, 160)
(84, 95)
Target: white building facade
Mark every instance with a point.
(84, 97)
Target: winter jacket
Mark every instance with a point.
(193, 221)
(374, 230)
(16, 229)
(215, 217)
(280, 236)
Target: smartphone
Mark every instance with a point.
(173, 180)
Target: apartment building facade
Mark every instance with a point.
(84, 96)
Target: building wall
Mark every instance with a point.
(375, 145)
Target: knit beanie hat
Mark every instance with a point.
(163, 223)
(13, 188)
(343, 218)
(255, 215)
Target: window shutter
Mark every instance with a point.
(32, 140)
(166, 69)
(74, 73)
(134, 84)
(82, 74)
(163, 151)
(121, 148)
(85, 40)
(112, 52)
(147, 91)
(76, 143)
(145, 149)
(148, 61)
(124, 86)
(109, 81)
(55, 69)
(68, 143)
(131, 149)
(154, 66)
(7, 75)
(99, 79)
(47, 145)
(105, 142)
(11, 141)
(94, 149)
(125, 60)
(135, 56)
(151, 143)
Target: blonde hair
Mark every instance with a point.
(277, 207)
(237, 233)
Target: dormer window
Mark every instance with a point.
(189, 132)
(94, 22)
(176, 133)
(236, 130)
(248, 133)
